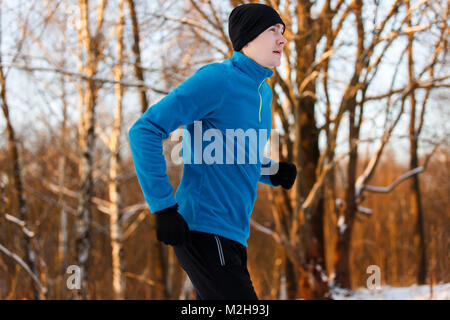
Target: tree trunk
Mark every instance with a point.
(137, 55)
(346, 221)
(113, 186)
(313, 282)
(87, 142)
(87, 189)
(415, 199)
(417, 213)
(291, 279)
(62, 235)
(345, 225)
(30, 257)
(158, 265)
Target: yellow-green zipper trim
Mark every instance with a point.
(260, 99)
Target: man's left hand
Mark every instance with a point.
(287, 172)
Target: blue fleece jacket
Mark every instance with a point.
(213, 196)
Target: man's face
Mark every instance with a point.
(261, 49)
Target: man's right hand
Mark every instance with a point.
(171, 228)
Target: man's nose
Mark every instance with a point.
(282, 40)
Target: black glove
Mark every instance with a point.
(171, 227)
(287, 172)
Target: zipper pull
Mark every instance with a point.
(260, 99)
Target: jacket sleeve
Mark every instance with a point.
(194, 99)
(265, 176)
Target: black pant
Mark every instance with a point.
(217, 267)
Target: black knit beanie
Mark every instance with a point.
(247, 21)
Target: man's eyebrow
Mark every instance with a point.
(278, 26)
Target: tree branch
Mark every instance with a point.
(396, 182)
(138, 84)
(189, 22)
(16, 258)
(21, 224)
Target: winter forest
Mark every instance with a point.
(360, 105)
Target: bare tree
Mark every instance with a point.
(30, 263)
(415, 129)
(92, 45)
(114, 166)
(137, 55)
(355, 187)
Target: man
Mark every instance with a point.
(208, 221)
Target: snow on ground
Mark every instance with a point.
(414, 292)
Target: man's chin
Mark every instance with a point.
(276, 64)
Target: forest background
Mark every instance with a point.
(360, 103)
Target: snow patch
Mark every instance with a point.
(341, 224)
(414, 292)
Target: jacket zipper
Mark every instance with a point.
(260, 99)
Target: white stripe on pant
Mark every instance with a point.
(219, 248)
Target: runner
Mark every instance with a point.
(207, 221)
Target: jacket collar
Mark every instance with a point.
(250, 67)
